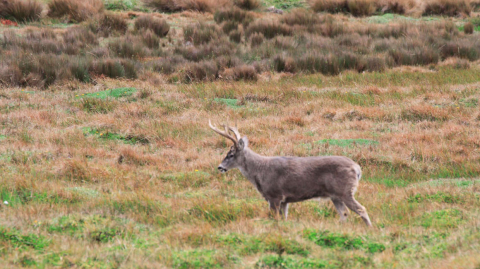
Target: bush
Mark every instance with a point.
(314, 62)
(468, 28)
(201, 33)
(150, 39)
(361, 8)
(79, 37)
(247, 4)
(75, 11)
(256, 39)
(236, 36)
(202, 71)
(331, 6)
(21, 10)
(233, 14)
(229, 26)
(107, 23)
(300, 17)
(206, 51)
(113, 68)
(415, 56)
(10, 75)
(167, 65)
(281, 64)
(180, 5)
(269, 28)
(159, 26)
(447, 7)
(127, 47)
(245, 72)
(79, 69)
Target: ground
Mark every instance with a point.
(122, 173)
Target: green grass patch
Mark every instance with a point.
(347, 142)
(202, 258)
(342, 241)
(15, 239)
(285, 4)
(120, 4)
(113, 93)
(2, 137)
(248, 245)
(288, 262)
(389, 17)
(106, 135)
(26, 196)
(459, 182)
(443, 219)
(222, 213)
(232, 103)
(441, 197)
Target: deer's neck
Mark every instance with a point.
(253, 167)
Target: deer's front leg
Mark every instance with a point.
(274, 207)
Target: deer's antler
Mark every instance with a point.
(224, 134)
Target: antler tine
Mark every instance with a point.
(224, 134)
(235, 131)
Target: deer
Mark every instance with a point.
(284, 180)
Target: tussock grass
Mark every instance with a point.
(74, 10)
(21, 10)
(159, 26)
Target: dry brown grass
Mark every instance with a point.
(76, 11)
(181, 5)
(21, 10)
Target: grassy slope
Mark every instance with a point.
(81, 193)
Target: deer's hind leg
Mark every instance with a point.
(356, 207)
(341, 209)
(284, 210)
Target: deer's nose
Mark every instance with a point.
(221, 169)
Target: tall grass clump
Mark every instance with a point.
(159, 26)
(447, 7)
(109, 22)
(269, 28)
(330, 6)
(233, 14)
(21, 10)
(360, 8)
(247, 4)
(468, 28)
(256, 39)
(201, 33)
(73, 10)
(181, 5)
(202, 71)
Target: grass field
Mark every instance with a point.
(122, 173)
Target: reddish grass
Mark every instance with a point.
(159, 26)
(20, 10)
(73, 10)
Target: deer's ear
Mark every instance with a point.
(243, 143)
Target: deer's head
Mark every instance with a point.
(235, 156)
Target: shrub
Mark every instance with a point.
(113, 68)
(468, 28)
(247, 4)
(233, 14)
(246, 72)
(314, 62)
(361, 7)
(281, 64)
(180, 5)
(201, 33)
(229, 26)
(79, 36)
(256, 39)
(415, 56)
(21, 10)
(462, 49)
(206, 51)
(79, 69)
(107, 23)
(236, 36)
(167, 65)
(447, 7)
(150, 39)
(10, 75)
(202, 71)
(331, 6)
(398, 6)
(126, 47)
(45, 67)
(269, 28)
(76, 11)
(300, 17)
(159, 26)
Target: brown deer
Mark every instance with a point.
(284, 180)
